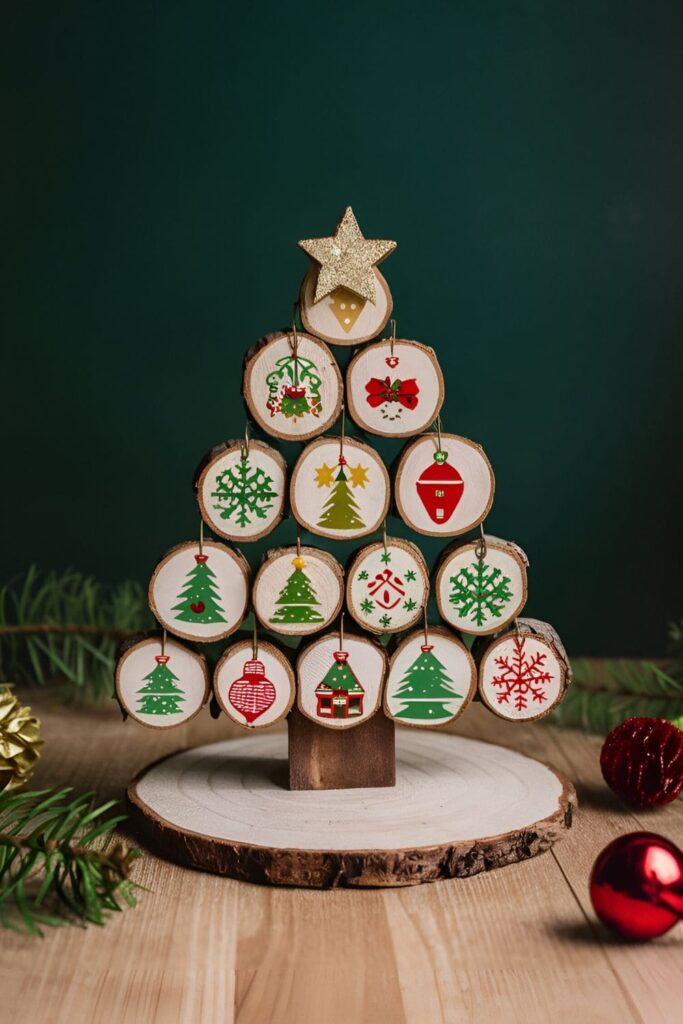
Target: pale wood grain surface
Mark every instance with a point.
(518, 944)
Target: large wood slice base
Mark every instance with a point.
(460, 806)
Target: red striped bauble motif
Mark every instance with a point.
(253, 693)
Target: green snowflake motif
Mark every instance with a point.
(363, 575)
(385, 620)
(480, 593)
(386, 557)
(245, 492)
(367, 606)
(409, 605)
(411, 576)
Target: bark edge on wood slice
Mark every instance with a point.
(360, 758)
(235, 590)
(421, 647)
(443, 498)
(166, 693)
(409, 554)
(531, 666)
(326, 318)
(313, 502)
(272, 408)
(228, 528)
(512, 562)
(327, 587)
(414, 394)
(255, 830)
(264, 686)
(340, 679)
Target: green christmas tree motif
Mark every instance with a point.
(480, 590)
(160, 696)
(198, 600)
(245, 492)
(425, 689)
(297, 599)
(340, 511)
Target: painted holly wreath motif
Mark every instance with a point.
(294, 388)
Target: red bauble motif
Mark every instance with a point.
(392, 362)
(440, 488)
(254, 693)
(642, 761)
(198, 607)
(636, 886)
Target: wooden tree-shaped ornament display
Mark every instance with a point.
(347, 797)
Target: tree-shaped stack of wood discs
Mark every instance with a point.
(342, 654)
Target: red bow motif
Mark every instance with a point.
(403, 391)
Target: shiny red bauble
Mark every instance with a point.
(636, 886)
(642, 761)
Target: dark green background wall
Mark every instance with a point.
(161, 161)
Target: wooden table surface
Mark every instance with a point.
(516, 944)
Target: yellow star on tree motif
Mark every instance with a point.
(358, 476)
(346, 259)
(324, 476)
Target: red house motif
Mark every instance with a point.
(339, 695)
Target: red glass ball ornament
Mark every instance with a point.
(642, 761)
(636, 885)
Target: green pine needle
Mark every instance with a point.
(68, 627)
(50, 874)
(605, 693)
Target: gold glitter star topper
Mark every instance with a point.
(346, 259)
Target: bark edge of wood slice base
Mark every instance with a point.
(446, 828)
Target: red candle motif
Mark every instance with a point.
(440, 488)
(254, 693)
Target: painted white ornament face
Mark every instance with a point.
(293, 395)
(444, 492)
(339, 687)
(241, 497)
(298, 594)
(200, 595)
(430, 681)
(480, 596)
(394, 390)
(161, 689)
(387, 588)
(340, 499)
(254, 690)
(520, 677)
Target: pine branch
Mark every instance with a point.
(604, 693)
(50, 871)
(68, 627)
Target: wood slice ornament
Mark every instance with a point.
(444, 485)
(394, 388)
(344, 298)
(523, 673)
(254, 683)
(292, 386)
(298, 591)
(200, 590)
(161, 684)
(387, 585)
(241, 489)
(432, 678)
(339, 488)
(340, 680)
(481, 585)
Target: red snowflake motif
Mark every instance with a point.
(521, 677)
